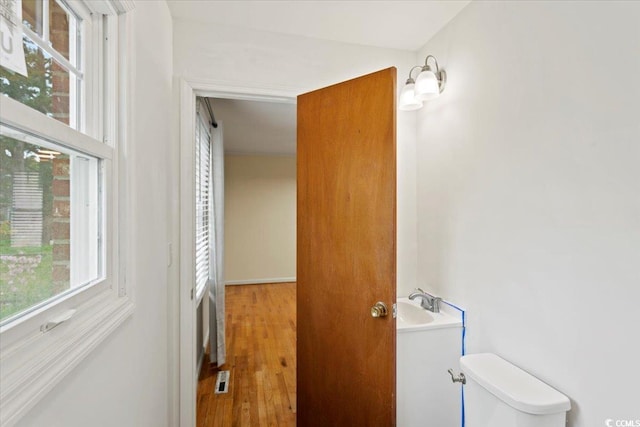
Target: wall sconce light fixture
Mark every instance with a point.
(429, 85)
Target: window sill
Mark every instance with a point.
(30, 368)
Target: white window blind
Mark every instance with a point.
(203, 205)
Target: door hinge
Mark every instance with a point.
(192, 293)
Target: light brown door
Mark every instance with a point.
(347, 253)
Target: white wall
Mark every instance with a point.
(529, 192)
(224, 54)
(260, 218)
(125, 381)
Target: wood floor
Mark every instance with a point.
(261, 355)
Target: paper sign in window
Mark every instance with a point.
(11, 49)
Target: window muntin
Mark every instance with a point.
(50, 222)
(52, 44)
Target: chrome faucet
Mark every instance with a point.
(427, 301)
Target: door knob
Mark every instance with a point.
(379, 309)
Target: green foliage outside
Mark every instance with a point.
(26, 277)
(36, 89)
(25, 273)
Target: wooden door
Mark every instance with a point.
(347, 253)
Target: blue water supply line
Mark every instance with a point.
(464, 351)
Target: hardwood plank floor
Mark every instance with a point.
(261, 358)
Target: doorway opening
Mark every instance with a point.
(347, 260)
(183, 339)
(259, 268)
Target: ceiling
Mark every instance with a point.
(405, 25)
(256, 127)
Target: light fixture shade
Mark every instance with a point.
(427, 86)
(408, 101)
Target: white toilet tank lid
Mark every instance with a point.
(512, 385)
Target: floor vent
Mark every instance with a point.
(222, 382)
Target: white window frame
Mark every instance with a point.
(87, 55)
(34, 357)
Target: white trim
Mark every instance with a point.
(188, 379)
(18, 115)
(55, 353)
(122, 6)
(93, 58)
(260, 281)
(122, 128)
(230, 90)
(107, 7)
(45, 21)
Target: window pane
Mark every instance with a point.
(53, 85)
(62, 93)
(32, 15)
(49, 219)
(60, 26)
(49, 88)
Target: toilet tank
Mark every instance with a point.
(499, 394)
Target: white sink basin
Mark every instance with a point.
(410, 314)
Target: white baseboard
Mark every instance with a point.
(260, 281)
